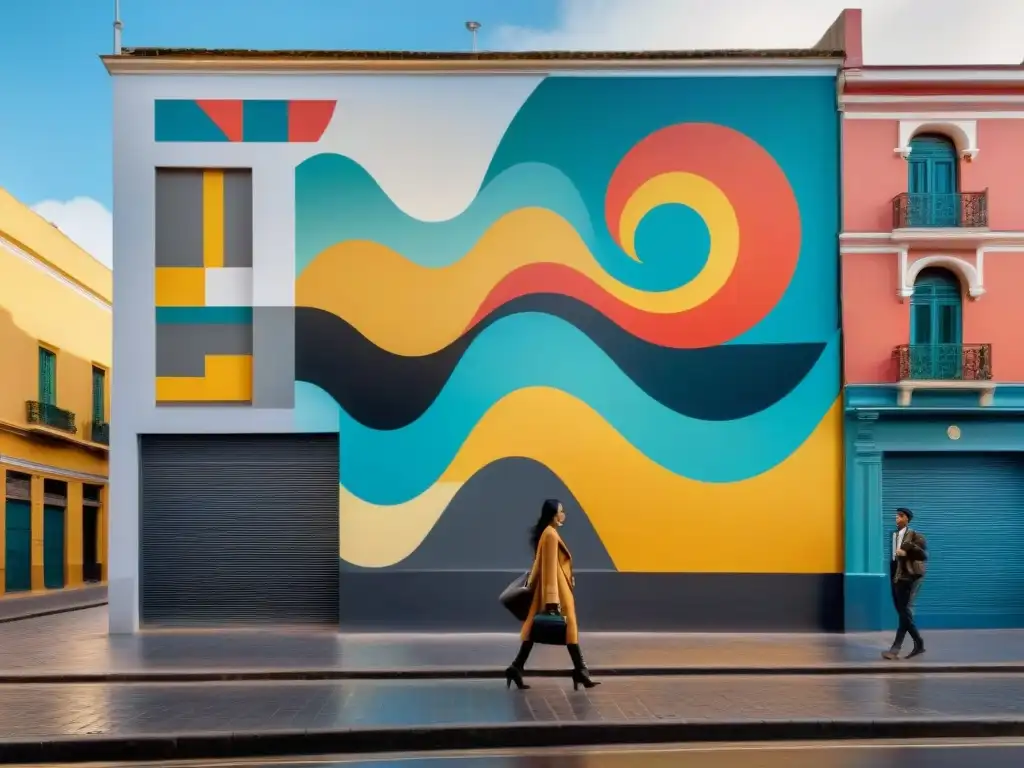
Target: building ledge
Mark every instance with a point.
(948, 237)
(39, 431)
(905, 389)
(883, 397)
(903, 239)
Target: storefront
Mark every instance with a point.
(961, 471)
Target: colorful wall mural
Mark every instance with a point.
(637, 313)
(203, 286)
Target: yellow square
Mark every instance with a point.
(180, 287)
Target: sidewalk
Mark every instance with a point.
(17, 606)
(74, 647)
(76, 723)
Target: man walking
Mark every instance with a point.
(906, 570)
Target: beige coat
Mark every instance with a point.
(552, 581)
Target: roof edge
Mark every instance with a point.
(172, 60)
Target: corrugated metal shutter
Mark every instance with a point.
(239, 529)
(970, 507)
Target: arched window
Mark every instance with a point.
(934, 183)
(936, 325)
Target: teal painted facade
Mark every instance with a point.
(875, 427)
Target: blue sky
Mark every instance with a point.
(55, 135)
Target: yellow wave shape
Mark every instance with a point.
(378, 291)
(786, 520)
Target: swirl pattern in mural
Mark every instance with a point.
(586, 314)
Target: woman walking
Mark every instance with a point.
(552, 581)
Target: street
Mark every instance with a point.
(926, 754)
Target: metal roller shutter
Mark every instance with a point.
(970, 507)
(239, 529)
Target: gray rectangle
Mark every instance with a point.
(238, 529)
(237, 218)
(179, 217)
(273, 360)
(181, 349)
(606, 601)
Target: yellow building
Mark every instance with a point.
(55, 354)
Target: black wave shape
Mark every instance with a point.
(385, 391)
(486, 526)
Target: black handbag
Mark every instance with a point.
(548, 629)
(518, 597)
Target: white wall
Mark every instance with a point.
(407, 131)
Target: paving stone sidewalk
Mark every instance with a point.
(76, 644)
(134, 710)
(20, 606)
(101, 722)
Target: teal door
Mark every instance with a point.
(18, 530)
(934, 192)
(968, 506)
(936, 327)
(53, 547)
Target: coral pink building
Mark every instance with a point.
(932, 250)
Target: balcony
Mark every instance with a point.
(50, 416)
(944, 367)
(99, 432)
(924, 210)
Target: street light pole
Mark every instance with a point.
(473, 26)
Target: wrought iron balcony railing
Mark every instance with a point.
(100, 432)
(944, 362)
(923, 210)
(48, 415)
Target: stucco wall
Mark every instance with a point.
(875, 319)
(51, 293)
(496, 295)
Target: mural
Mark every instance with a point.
(262, 120)
(637, 313)
(204, 314)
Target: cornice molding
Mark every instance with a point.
(53, 272)
(226, 65)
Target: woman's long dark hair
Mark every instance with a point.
(548, 511)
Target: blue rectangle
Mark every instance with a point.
(204, 315)
(265, 121)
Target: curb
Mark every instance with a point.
(52, 611)
(493, 673)
(349, 741)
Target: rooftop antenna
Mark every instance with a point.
(473, 26)
(118, 26)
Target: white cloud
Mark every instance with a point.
(895, 31)
(86, 222)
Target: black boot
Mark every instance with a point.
(580, 673)
(514, 674)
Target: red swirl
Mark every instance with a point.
(769, 224)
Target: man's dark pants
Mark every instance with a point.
(903, 593)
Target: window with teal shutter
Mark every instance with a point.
(933, 182)
(99, 387)
(936, 326)
(47, 377)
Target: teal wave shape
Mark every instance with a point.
(337, 200)
(533, 349)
